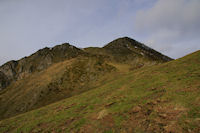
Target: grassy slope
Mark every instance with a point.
(59, 81)
(154, 99)
(50, 75)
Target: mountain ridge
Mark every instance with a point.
(38, 61)
(14, 70)
(63, 71)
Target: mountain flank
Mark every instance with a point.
(53, 74)
(157, 98)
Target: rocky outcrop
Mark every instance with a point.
(3, 81)
(47, 56)
(9, 69)
(15, 70)
(7, 73)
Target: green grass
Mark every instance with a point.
(176, 84)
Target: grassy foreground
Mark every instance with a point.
(162, 98)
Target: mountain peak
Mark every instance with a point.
(126, 46)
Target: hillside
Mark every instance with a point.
(159, 98)
(52, 74)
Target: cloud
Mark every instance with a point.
(170, 23)
(29, 25)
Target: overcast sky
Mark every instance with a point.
(169, 26)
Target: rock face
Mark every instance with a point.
(7, 73)
(3, 80)
(9, 69)
(15, 70)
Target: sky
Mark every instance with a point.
(171, 27)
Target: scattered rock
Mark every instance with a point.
(171, 129)
(136, 109)
(110, 104)
(159, 121)
(197, 119)
(70, 106)
(153, 89)
(152, 103)
(70, 120)
(148, 112)
(189, 130)
(102, 114)
(164, 116)
(158, 100)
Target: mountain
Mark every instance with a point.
(158, 98)
(53, 74)
(15, 70)
(127, 50)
